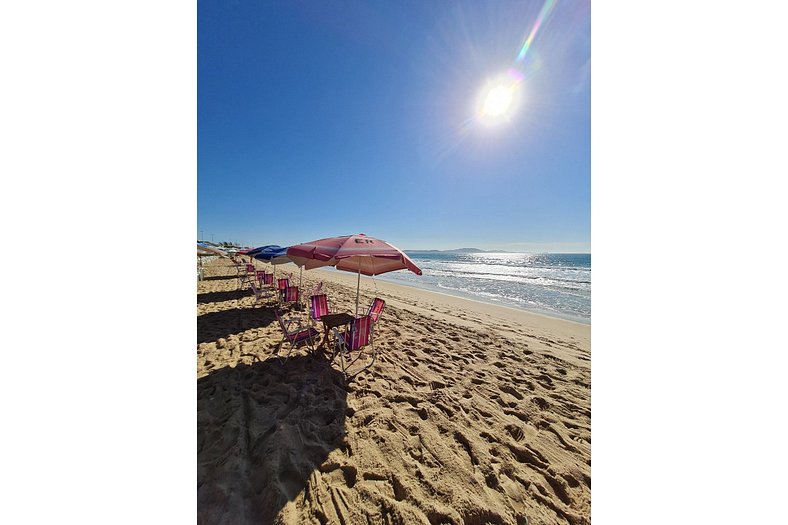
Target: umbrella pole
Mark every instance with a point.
(358, 285)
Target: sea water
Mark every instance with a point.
(548, 283)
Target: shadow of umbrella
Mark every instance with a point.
(212, 326)
(262, 430)
(218, 297)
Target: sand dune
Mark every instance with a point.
(472, 414)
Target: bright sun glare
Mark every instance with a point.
(498, 100)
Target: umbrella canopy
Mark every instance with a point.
(251, 252)
(272, 253)
(352, 253)
(205, 249)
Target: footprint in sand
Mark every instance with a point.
(515, 431)
(546, 381)
(511, 390)
(540, 402)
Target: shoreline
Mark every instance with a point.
(466, 296)
(462, 311)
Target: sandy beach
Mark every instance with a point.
(473, 413)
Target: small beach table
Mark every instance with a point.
(333, 321)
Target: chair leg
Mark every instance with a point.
(278, 349)
(372, 362)
(368, 365)
(288, 354)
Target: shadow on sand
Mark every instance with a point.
(262, 429)
(218, 297)
(220, 277)
(214, 325)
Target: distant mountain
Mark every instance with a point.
(465, 250)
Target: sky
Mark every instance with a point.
(318, 119)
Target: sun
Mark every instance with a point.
(498, 100)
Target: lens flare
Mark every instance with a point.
(500, 98)
(543, 14)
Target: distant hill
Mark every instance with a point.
(465, 250)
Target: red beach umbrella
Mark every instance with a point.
(352, 253)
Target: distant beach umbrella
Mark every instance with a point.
(352, 253)
(252, 252)
(274, 254)
(204, 249)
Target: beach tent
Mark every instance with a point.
(352, 253)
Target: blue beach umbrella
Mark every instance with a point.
(255, 251)
(274, 254)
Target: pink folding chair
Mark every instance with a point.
(350, 344)
(260, 274)
(281, 284)
(268, 279)
(289, 295)
(260, 293)
(318, 307)
(295, 336)
(245, 276)
(376, 309)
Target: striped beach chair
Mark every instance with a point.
(246, 274)
(376, 309)
(289, 295)
(318, 307)
(260, 293)
(295, 335)
(350, 345)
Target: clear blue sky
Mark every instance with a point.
(323, 118)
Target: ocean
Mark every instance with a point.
(553, 284)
